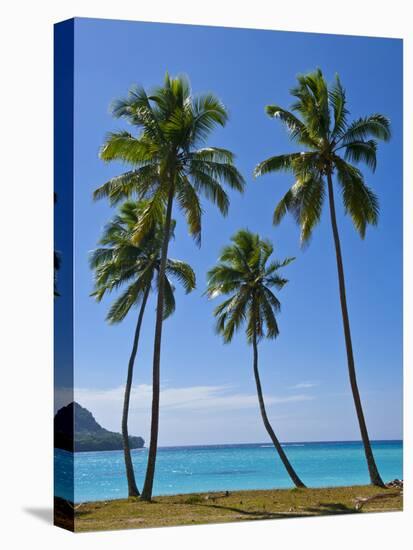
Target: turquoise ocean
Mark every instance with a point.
(101, 475)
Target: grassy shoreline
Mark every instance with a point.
(202, 508)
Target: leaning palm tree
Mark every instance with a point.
(246, 274)
(169, 164)
(333, 145)
(121, 263)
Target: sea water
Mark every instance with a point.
(101, 475)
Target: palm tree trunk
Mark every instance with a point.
(150, 470)
(291, 472)
(130, 475)
(373, 471)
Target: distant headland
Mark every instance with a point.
(75, 429)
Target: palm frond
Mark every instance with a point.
(272, 299)
(121, 306)
(359, 200)
(183, 272)
(319, 120)
(276, 164)
(151, 215)
(376, 126)
(127, 148)
(245, 274)
(123, 264)
(138, 182)
(223, 279)
(212, 154)
(312, 104)
(235, 314)
(189, 203)
(172, 124)
(266, 313)
(100, 256)
(169, 304)
(304, 201)
(222, 172)
(296, 128)
(211, 188)
(362, 151)
(275, 265)
(139, 111)
(337, 98)
(275, 280)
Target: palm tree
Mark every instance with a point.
(333, 145)
(121, 263)
(169, 164)
(243, 272)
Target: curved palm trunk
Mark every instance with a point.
(150, 470)
(373, 471)
(130, 475)
(291, 472)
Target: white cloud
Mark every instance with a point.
(190, 398)
(304, 385)
(189, 415)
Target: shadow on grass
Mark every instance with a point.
(326, 508)
(257, 514)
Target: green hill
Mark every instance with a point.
(75, 429)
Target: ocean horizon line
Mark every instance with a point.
(233, 445)
(268, 443)
(260, 443)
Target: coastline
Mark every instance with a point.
(99, 476)
(222, 507)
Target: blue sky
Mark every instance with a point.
(208, 392)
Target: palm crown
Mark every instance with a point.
(245, 272)
(168, 151)
(169, 164)
(333, 145)
(121, 263)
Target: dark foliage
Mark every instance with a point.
(76, 429)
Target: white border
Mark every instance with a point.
(26, 239)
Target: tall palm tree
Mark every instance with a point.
(333, 145)
(170, 164)
(121, 263)
(244, 272)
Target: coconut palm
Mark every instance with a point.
(246, 274)
(120, 263)
(169, 164)
(319, 121)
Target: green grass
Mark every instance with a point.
(237, 506)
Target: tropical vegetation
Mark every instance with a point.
(170, 164)
(247, 275)
(331, 147)
(121, 264)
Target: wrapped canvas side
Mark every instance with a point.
(63, 274)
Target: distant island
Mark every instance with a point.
(84, 433)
